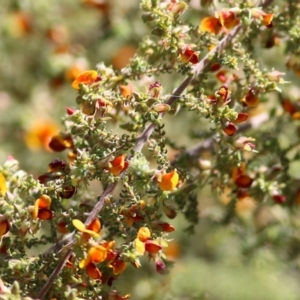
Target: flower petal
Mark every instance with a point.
(87, 77)
(210, 24)
(169, 181)
(3, 188)
(93, 272)
(144, 234)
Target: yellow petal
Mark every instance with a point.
(144, 234)
(139, 246)
(78, 225)
(2, 185)
(81, 227)
(83, 263)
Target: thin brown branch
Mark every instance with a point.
(208, 144)
(56, 271)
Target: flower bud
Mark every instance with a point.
(169, 211)
(161, 267)
(230, 129)
(278, 198)
(204, 164)
(244, 143)
(161, 107)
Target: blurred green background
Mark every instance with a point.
(43, 46)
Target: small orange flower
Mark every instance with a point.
(40, 135)
(241, 117)
(93, 272)
(96, 254)
(131, 214)
(92, 230)
(62, 227)
(288, 106)
(4, 226)
(67, 192)
(125, 90)
(61, 142)
(223, 94)
(230, 129)
(172, 251)
(223, 19)
(21, 23)
(250, 99)
(152, 246)
(118, 265)
(58, 34)
(42, 209)
(244, 181)
(168, 181)
(163, 226)
(122, 56)
(73, 72)
(227, 18)
(210, 24)
(87, 77)
(265, 18)
(118, 165)
(187, 54)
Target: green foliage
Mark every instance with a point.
(187, 121)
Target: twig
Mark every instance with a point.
(195, 150)
(56, 271)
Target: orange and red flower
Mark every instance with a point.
(42, 208)
(92, 230)
(230, 129)
(291, 108)
(40, 135)
(143, 242)
(187, 54)
(87, 78)
(167, 181)
(4, 226)
(265, 18)
(223, 19)
(61, 142)
(117, 165)
(250, 99)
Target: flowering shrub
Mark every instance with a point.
(114, 135)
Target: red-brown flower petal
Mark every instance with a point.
(243, 181)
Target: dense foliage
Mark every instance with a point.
(175, 171)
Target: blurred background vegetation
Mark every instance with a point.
(44, 45)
